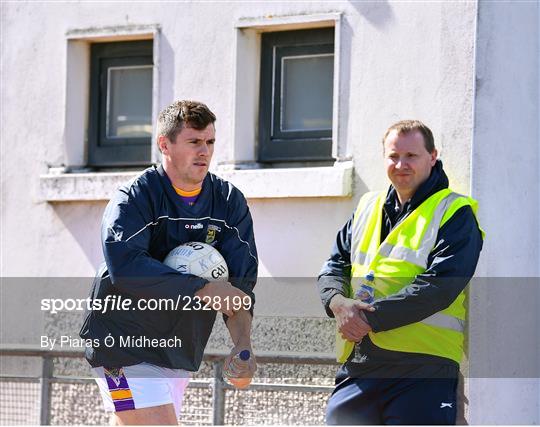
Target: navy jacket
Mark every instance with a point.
(451, 265)
(142, 223)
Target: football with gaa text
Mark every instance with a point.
(198, 259)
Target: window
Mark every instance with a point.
(120, 122)
(296, 93)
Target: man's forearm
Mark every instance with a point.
(329, 287)
(239, 327)
(415, 302)
(451, 265)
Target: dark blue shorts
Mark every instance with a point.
(409, 400)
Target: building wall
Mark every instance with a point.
(504, 339)
(398, 60)
(406, 75)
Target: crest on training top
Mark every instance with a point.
(211, 233)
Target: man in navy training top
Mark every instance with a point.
(165, 206)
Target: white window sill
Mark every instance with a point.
(333, 181)
(73, 187)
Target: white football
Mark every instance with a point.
(198, 259)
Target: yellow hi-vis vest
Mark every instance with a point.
(395, 263)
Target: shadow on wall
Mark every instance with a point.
(294, 237)
(359, 188)
(345, 80)
(167, 73)
(83, 221)
(379, 13)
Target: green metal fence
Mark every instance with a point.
(30, 399)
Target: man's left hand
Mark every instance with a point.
(233, 367)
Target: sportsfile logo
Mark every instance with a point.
(197, 226)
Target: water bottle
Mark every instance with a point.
(239, 359)
(366, 294)
(366, 291)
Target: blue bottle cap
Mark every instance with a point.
(370, 276)
(244, 355)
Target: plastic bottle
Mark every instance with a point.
(366, 291)
(240, 359)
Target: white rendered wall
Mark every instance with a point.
(394, 71)
(399, 60)
(506, 181)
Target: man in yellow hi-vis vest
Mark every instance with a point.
(395, 284)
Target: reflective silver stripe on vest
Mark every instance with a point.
(417, 257)
(362, 258)
(430, 236)
(358, 227)
(420, 257)
(405, 254)
(445, 321)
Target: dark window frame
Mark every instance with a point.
(117, 152)
(291, 146)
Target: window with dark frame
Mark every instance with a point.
(120, 120)
(296, 96)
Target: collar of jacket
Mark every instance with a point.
(437, 181)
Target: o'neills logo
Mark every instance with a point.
(197, 226)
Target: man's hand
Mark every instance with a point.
(238, 371)
(220, 296)
(351, 321)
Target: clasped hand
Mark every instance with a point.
(350, 318)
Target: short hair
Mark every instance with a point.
(405, 126)
(180, 114)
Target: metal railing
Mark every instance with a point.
(217, 383)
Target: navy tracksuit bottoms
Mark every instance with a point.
(403, 401)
